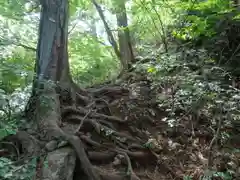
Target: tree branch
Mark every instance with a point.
(18, 44)
(109, 33)
(26, 47)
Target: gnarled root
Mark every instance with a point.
(99, 137)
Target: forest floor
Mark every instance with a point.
(126, 132)
(159, 149)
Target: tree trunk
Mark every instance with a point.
(123, 49)
(53, 78)
(124, 38)
(108, 30)
(52, 70)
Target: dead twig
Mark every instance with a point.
(213, 141)
(130, 172)
(14, 146)
(81, 123)
(86, 115)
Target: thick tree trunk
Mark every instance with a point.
(52, 67)
(52, 56)
(52, 70)
(52, 78)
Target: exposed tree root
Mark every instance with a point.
(86, 164)
(114, 136)
(109, 139)
(100, 135)
(82, 111)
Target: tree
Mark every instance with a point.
(122, 49)
(108, 30)
(52, 73)
(125, 45)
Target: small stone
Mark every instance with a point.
(232, 165)
(52, 145)
(236, 97)
(116, 161)
(62, 143)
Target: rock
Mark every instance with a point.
(59, 165)
(62, 143)
(232, 165)
(52, 145)
(116, 161)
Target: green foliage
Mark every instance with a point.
(8, 115)
(200, 17)
(191, 81)
(214, 174)
(75, 4)
(9, 171)
(6, 129)
(91, 62)
(187, 178)
(13, 9)
(149, 20)
(214, 25)
(16, 71)
(185, 92)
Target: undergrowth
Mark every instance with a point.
(185, 94)
(195, 86)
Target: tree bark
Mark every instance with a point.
(52, 67)
(125, 45)
(52, 55)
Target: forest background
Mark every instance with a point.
(181, 54)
